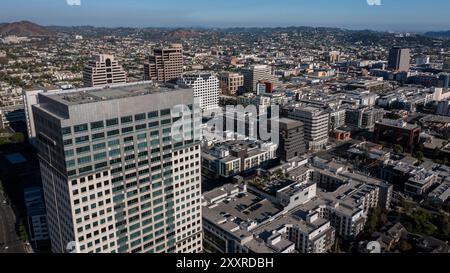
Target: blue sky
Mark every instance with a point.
(397, 15)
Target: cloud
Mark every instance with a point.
(374, 2)
(73, 2)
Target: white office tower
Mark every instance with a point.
(103, 70)
(206, 88)
(115, 179)
(30, 98)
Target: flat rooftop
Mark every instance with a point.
(287, 123)
(232, 212)
(113, 92)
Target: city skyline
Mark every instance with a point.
(350, 14)
(235, 127)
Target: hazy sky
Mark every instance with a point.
(406, 15)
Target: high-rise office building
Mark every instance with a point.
(103, 70)
(115, 180)
(166, 64)
(206, 88)
(256, 73)
(231, 83)
(316, 122)
(30, 98)
(292, 144)
(399, 59)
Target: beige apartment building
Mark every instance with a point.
(231, 83)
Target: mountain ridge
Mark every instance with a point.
(25, 29)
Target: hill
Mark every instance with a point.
(24, 29)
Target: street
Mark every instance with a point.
(9, 241)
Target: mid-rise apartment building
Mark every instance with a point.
(256, 73)
(231, 83)
(363, 118)
(236, 156)
(292, 144)
(237, 220)
(345, 197)
(316, 124)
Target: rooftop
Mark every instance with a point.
(398, 124)
(113, 92)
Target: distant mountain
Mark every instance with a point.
(24, 29)
(183, 34)
(438, 34)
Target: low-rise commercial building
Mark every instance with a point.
(234, 157)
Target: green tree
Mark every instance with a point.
(398, 149)
(422, 223)
(23, 232)
(407, 206)
(18, 138)
(419, 155)
(443, 225)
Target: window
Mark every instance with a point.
(84, 160)
(114, 142)
(99, 156)
(84, 149)
(85, 169)
(154, 142)
(82, 139)
(98, 136)
(99, 146)
(80, 128)
(70, 163)
(113, 133)
(126, 119)
(115, 152)
(142, 145)
(127, 130)
(112, 122)
(153, 114)
(97, 125)
(66, 131)
(165, 112)
(153, 124)
(139, 117)
(141, 127)
(166, 121)
(68, 142)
